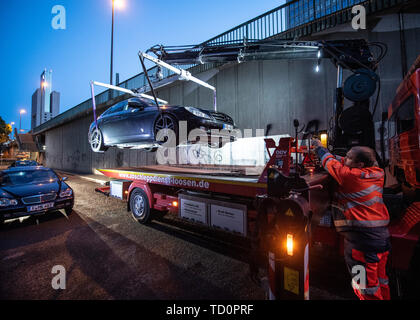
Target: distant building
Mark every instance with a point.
(36, 109)
(45, 102)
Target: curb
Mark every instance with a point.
(99, 181)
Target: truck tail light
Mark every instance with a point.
(175, 204)
(324, 138)
(289, 244)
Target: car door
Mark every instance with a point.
(138, 122)
(110, 124)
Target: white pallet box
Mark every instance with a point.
(193, 208)
(229, 216)
(118, 188)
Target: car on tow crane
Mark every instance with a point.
(135, 123)
(32, 191)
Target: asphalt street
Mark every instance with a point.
(108, 255)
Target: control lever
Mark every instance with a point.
(314, 187)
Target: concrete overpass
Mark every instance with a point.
(255, 93)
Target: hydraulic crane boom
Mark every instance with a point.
(353, 55)
(350, 54)
(184, 74)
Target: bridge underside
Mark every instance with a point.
(255, 93)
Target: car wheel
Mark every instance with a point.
(166, 122)
(139, 205)
(68, 210)
(215, 145)
(152, 149)
(97, 141)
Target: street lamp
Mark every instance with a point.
(22, 111)
(119, 4)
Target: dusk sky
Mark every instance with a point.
(81, 52)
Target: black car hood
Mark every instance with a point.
(31, 189)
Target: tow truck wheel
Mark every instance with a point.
(97, 141)
(139, 205)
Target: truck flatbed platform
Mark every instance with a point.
(222, 180)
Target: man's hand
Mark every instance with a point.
(316, 143)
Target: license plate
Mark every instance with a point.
(227, 126)
(41, 207)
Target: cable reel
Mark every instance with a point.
(361, 85)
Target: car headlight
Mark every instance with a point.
(197, 112)
(6, 202)
(66, 193)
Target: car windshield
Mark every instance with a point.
(27, 177)
(150, 102)
(25, 163)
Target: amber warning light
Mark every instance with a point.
(289, 244)
(324, 139)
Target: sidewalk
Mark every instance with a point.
(97, 178)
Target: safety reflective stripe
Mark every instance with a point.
(365, 291)
(383, 281)
(367, 175)
(370, 291)
(368, 203)
(360, 194)
(361, 223)
(326, 158)
(326, 154)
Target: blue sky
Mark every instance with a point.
(81, 52)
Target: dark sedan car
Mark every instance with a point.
(135, 122)
(24, 163)
(26, 191)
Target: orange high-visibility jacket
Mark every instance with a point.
(359, 195)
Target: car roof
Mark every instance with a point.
(26, 168)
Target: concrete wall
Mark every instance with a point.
(386, 29)
(255, 94)
(258, 93)
(67, 148)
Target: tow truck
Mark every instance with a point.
(280, 207)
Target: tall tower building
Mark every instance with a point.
(36, 109)
(45, 102)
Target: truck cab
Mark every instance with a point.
(404, 130)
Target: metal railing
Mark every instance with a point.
(135, 82)
(287, 16)
(292, 14)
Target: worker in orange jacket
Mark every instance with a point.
(361, 216)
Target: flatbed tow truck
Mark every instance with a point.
(226, 198)
(281, 207)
